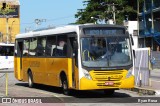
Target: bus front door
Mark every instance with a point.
(74, 56)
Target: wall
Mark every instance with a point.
(13, 29)
(132, 25)
(12, 11)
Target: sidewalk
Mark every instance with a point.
(154, 87)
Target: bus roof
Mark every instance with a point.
(61, 30)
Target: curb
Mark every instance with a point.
(144, 91)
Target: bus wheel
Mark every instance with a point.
(109, 92)
(66, 91)
(30, 79)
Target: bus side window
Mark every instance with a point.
(51, 46)
(62, 46)
(25, 47)
(32, 47)
(41, 46)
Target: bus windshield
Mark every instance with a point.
(106, 51)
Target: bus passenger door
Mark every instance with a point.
(74, 56)
(19, 60)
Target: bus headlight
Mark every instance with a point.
(86, 74)
(129, 72)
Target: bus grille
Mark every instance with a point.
(107, 75)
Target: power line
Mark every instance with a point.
(47, 20)
(28, 23)
(60, 18)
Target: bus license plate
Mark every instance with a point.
(109, 83)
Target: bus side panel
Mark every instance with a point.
(17, 69)
(62, 64)
(76, 78)
(70, 72)
(73, 79)
(38, 69)
(54, 67)
(25, 64)
(50, 71)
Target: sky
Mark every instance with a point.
(55, 12)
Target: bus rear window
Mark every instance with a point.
(6, 50)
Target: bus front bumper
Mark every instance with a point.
(86, 84)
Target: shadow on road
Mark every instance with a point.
(42, 87)
(96, 94)
(75, 93)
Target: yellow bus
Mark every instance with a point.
(79, 57)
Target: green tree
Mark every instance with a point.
(103, 10)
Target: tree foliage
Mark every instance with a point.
(103, 10)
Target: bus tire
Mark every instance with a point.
(30, 79)
(109, 92)
(66, 90)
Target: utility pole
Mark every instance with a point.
(113, 10)
(114, 13)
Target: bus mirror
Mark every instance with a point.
(132, 39)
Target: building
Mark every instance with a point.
(9, 20)
(132, 29)
(149, 24)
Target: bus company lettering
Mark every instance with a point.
(34, 64)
